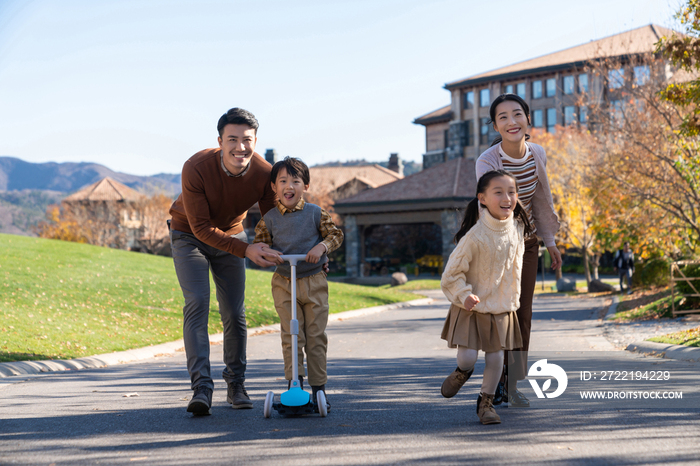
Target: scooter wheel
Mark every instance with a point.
(267, 407)
(321, 403)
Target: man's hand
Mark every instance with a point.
(263, 255)
(555, 255)
(315, 254)
(471, 301)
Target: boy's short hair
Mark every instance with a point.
(295, 168)
(237, 116)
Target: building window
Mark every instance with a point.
(520, 89)
(536, 89)
(537, 119)
(468, 133)
(583, 83)
(617, 108)
(568, 85)
(551, 87)
(583, 115)
(484, 133)
(616, 78)
(468, 100)
(641, 75)
(569, 115)
(446, 139)
(484, 97)
(551, 119)
(509, 89)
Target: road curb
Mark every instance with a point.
(22, 368)
(613, 308)
(666, 351)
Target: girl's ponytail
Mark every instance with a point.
(471, 215)
(520, 213)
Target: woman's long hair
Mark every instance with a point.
(499, 100)
(471, 214)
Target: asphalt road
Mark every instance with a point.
(385, 373)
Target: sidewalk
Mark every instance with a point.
(631, 336)
(12, 369)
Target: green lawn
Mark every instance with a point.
(690, 337)
(67, 300)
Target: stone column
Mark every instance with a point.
(352, 247)
(450, 221)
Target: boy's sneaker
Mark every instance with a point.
(316, 389)
(517, 399)
(454, 382)
(200, 404)
(238, 396)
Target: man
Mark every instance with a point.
(218, 187)
(624, 265)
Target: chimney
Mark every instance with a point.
(271, 156)
(395, 164)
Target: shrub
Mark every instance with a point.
(653, 272)
(690, 271)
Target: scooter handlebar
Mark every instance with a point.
(293, 258)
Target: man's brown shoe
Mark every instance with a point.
(238, 396)
(485, 411)
(454, 382)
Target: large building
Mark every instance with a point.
(558, 87)
(552, 85)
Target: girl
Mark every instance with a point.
(482, 281)
(510, 116)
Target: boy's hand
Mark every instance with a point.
(471, 301)
(315, 254)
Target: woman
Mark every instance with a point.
(510, 116)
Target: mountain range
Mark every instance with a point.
(27, 189)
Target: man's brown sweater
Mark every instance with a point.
(213, 204)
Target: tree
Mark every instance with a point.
(153, 213)
(647, 170)
(570, 152)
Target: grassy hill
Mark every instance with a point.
(67, 300)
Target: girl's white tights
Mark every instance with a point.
(466, 359)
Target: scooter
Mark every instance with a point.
(295, 401)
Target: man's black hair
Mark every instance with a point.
(237, 116)
(295, 168)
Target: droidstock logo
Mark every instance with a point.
(543, 369)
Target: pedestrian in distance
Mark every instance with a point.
(482, 281)
(298, 227)
(206, 233)
(624, 265)
(511, 151)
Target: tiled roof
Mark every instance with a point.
(452, 180)
(105, 190)
(636, 41)
(327, 179)
(441, 114)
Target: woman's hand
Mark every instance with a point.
(556, 257)
(471, 301)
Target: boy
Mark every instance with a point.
(296, 227)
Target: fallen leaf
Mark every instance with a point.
(129, 395)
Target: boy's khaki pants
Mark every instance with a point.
(312, 314)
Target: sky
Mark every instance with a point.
(139, 86)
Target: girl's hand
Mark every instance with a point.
(556, 257)
(471, 301)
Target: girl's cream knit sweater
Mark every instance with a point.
(487, 262)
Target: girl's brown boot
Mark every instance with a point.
(485, 411)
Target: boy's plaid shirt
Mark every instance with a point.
(332, 235)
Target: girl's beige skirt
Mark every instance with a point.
(486, 332)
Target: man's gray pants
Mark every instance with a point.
(193, 260)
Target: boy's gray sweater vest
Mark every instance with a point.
(296, 233)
